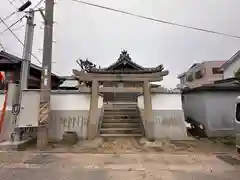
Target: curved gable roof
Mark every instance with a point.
(123, 60)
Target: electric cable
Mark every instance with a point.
(13, 24)
(157, 20)
(19, 39)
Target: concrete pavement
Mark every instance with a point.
(67, 166)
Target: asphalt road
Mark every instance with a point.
(148, 166)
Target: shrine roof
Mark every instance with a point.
(125, 65)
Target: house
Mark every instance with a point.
(200, 74)
(11, 65)
(231, 66)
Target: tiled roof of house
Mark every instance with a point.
(16, 59)
(231, 60)
(223, 86)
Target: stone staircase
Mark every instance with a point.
(121, 120)
(125, 97)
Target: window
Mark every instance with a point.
(238, 112)
(198, 74)
(190, 78)
(217, 71)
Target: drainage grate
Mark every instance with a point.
(40, 159)
(229, 159)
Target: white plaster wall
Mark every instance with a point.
(29, 115)
(163, 101)
(229, 72)
(166, 101)
(67, 101)
(2, 97)
(70, 101)
(140, 101)
(1, 100)
(100, 101)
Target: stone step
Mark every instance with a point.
(121, 121)
(121, 116)
(120, 130)
(121, 110)
(122, 135)
(113, 113)
(120, 105)
(121, 125)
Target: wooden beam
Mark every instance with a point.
(158, 76)
(122, 90)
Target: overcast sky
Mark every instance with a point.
(82, 31)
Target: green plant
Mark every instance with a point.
(237, 74)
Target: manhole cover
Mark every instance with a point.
(40, 159)
(229, 159)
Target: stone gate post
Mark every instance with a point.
(148, 109)
(92, 120)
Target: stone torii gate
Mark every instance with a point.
(95, 78)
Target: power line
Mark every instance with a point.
(2, 46)
(157, 20)
(13, 24)
(12, 4)
(18, 39)
(8, 16)
(17, 28)
(38, 4)
(15, 1)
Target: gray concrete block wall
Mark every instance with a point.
(62, 121)
(75, 121)
(215, 110)
(169, 124)
(194, 107)
(166, 122)
(148, 125)
(220, 113)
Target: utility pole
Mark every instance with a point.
(27, 50)
(44, 113)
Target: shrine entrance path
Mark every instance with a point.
(135, 166)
